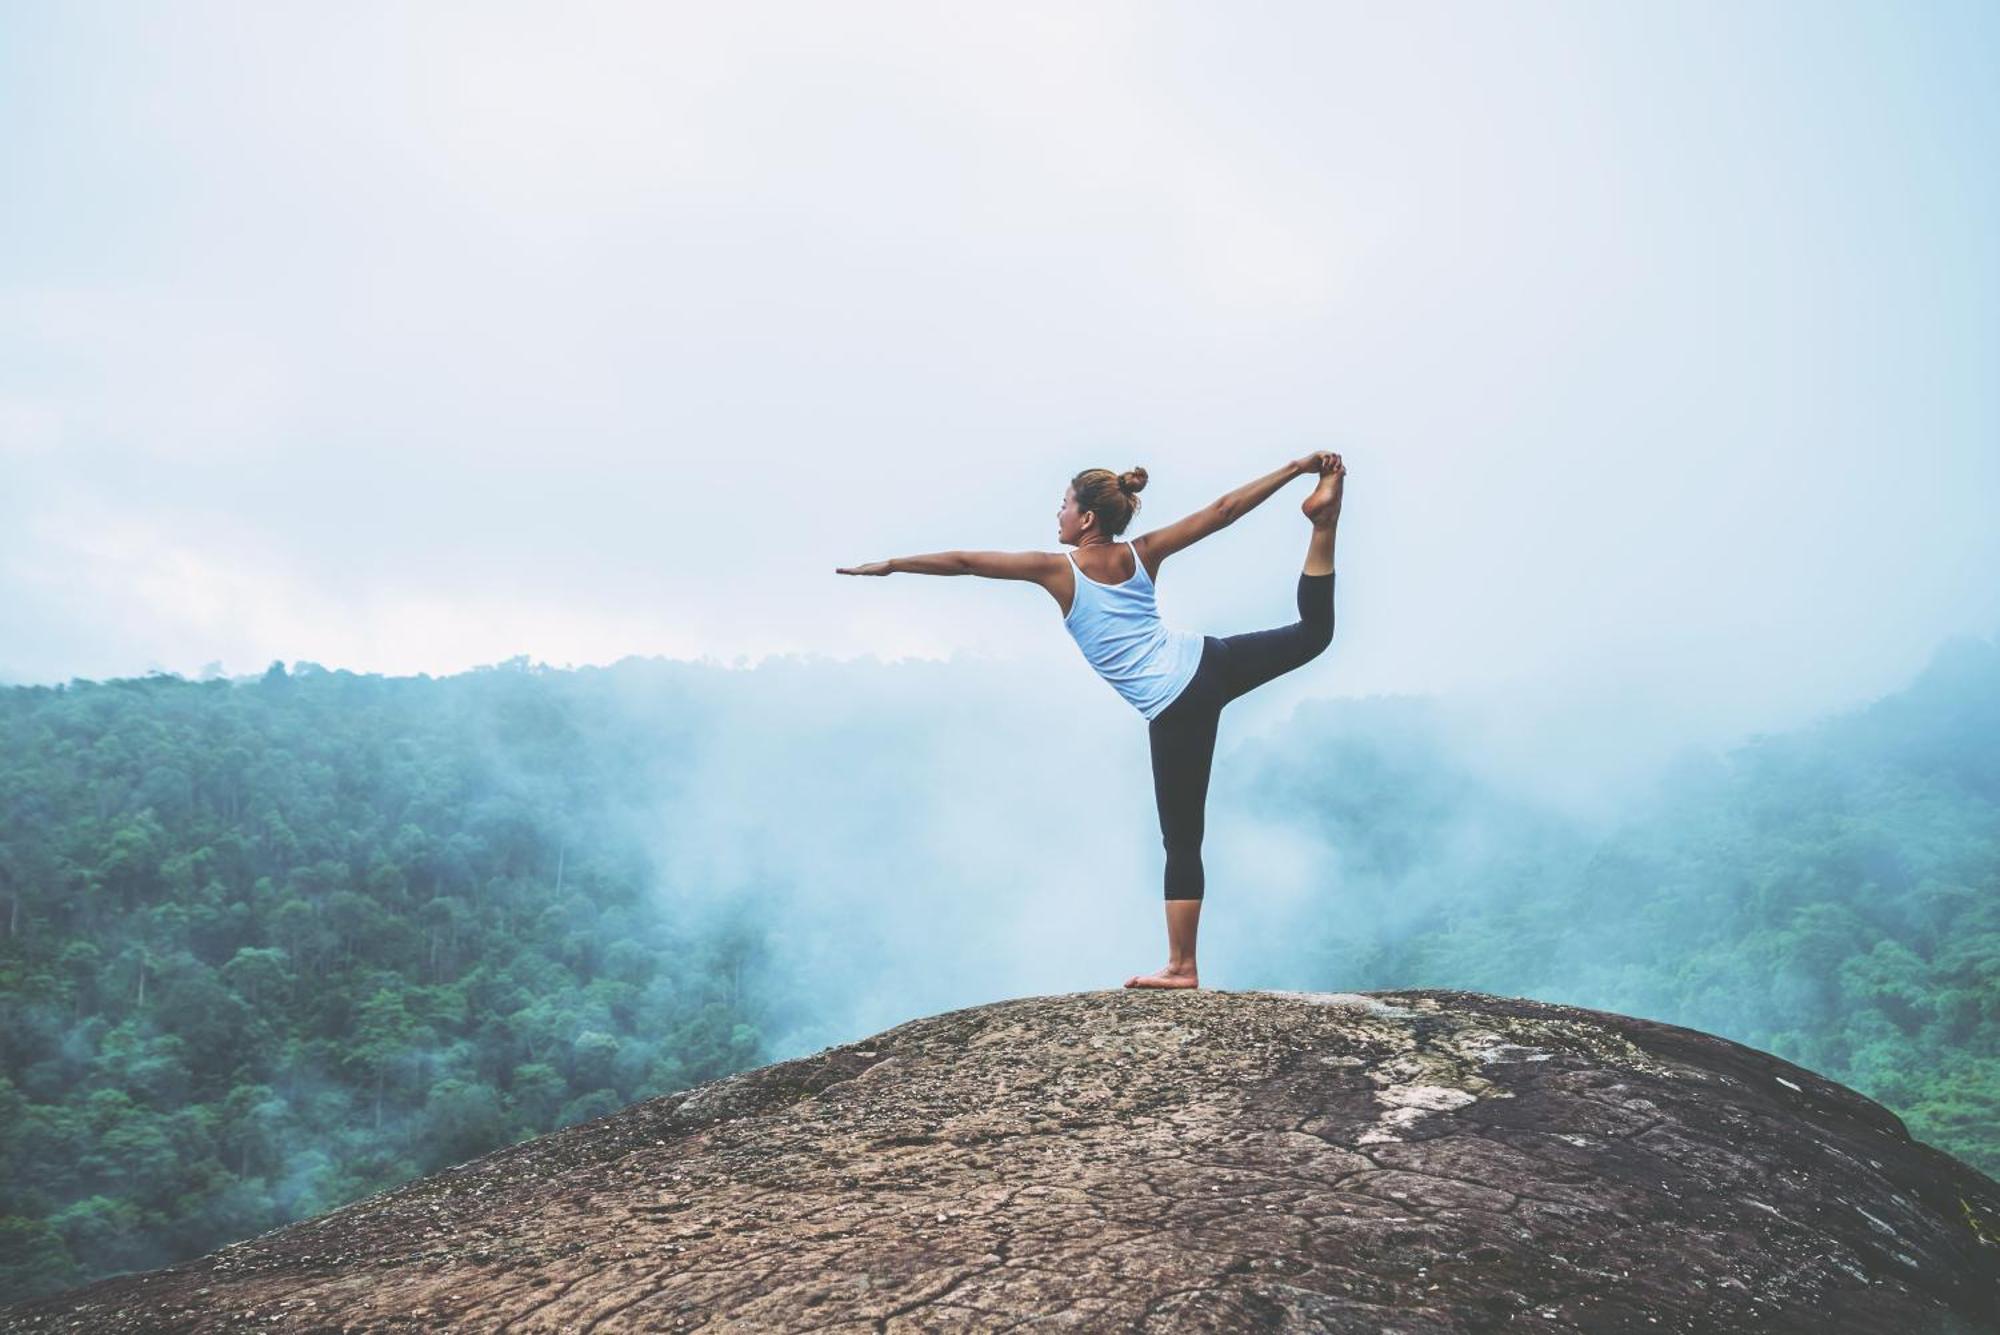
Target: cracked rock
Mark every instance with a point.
(1416, 1160)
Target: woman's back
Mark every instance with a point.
(1111, 562)
(1117, 626)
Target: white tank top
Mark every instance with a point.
(1119, 630)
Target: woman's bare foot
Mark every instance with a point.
(1323, 506)
(1167, 977)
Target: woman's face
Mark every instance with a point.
(1069, 519)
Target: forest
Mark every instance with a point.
(270, 948)
(275, 944)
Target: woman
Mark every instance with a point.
(1178, 680)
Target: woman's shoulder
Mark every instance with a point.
(1145, 557)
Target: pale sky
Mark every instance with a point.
(1660, 340)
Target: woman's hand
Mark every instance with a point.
(872, 568)
(1315, 463)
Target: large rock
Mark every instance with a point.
(1407, 1161)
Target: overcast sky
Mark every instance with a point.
(1660, 341)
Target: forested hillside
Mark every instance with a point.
(273, 945)
(1831, 895)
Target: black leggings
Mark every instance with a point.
(1183, 734)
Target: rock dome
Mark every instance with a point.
(1413, 1161)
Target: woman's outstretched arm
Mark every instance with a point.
(1034, 566)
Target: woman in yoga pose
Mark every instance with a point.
(1178, 680)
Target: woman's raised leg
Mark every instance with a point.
(1323, 509)
(1255, 657)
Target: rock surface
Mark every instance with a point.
(1412, 1161)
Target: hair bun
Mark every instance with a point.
(1132, 482)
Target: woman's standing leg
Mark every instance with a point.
(1183, 748)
